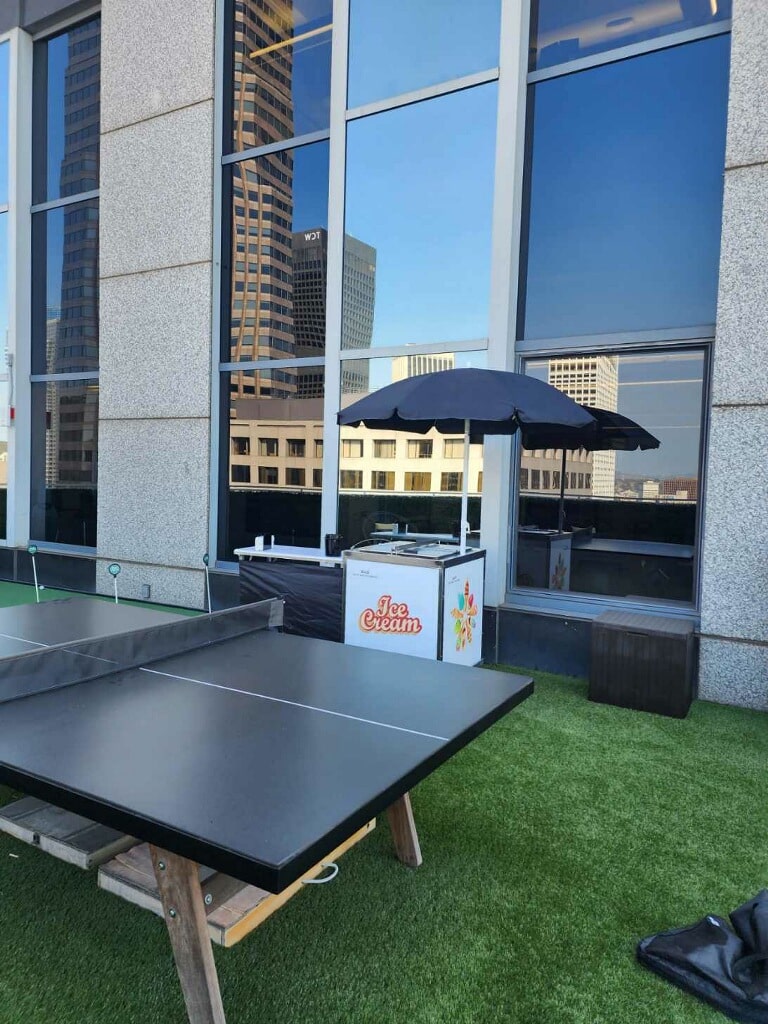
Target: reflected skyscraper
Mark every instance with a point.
(310, 274)
(262, 314)
(413, 366)
(591, 380)
(72, 345)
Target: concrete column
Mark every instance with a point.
(734, 621)
(157, 159)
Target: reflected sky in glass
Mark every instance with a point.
(282, 74)
(420, 193)
(663, 393)
(5, 51)
(563, 31)
(402, 45)
(626, 194)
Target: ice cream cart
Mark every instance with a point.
(421, 599)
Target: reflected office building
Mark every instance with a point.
(279, 281)
(64, 495)
(590, 380)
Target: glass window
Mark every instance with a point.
(421, 221)
(268, 475)
(65, 289)
(4, 280)
(4, 111)
(384, 449)
(317, 478)
(399, 46)
(567, 31)
(382, 481)
(283, 422)
(318, 449)
(281, 72)
(454, 448)
(351, 449)
(629, 517)
(420, 449)
(351, 479)
(278, 255)
(415, 496)
(624, 232)
(241, 474)
(67, 114)
(64, 457)
(241, 446)
(418, 481)
(451, 481)
(4, 395)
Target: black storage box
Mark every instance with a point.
(644, 662)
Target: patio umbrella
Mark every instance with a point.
(474, 402)
(609, 431)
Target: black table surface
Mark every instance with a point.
(255, 756)
(27, 627)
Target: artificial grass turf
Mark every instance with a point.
(24, 593)
(551, 844)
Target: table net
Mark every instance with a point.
(62, 665)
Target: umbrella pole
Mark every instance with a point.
(561, 510)
(464, 525)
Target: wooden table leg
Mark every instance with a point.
(403, 829)
(179, 884)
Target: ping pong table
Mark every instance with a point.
(220, 741)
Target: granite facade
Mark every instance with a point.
(733, 673)
(156, 238)
(734, 621)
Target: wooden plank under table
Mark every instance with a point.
(232, 909)
(183, 901)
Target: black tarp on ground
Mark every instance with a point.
(312, 594)
(727, 968)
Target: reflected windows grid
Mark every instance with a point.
(275, 438)
(67, 111)
(405, 480)
(281, 71)
(65, 285)
(277, 295)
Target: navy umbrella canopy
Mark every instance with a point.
(608, 431)
(476, 401)
(473, 402)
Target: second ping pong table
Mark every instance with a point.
(221, 741)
